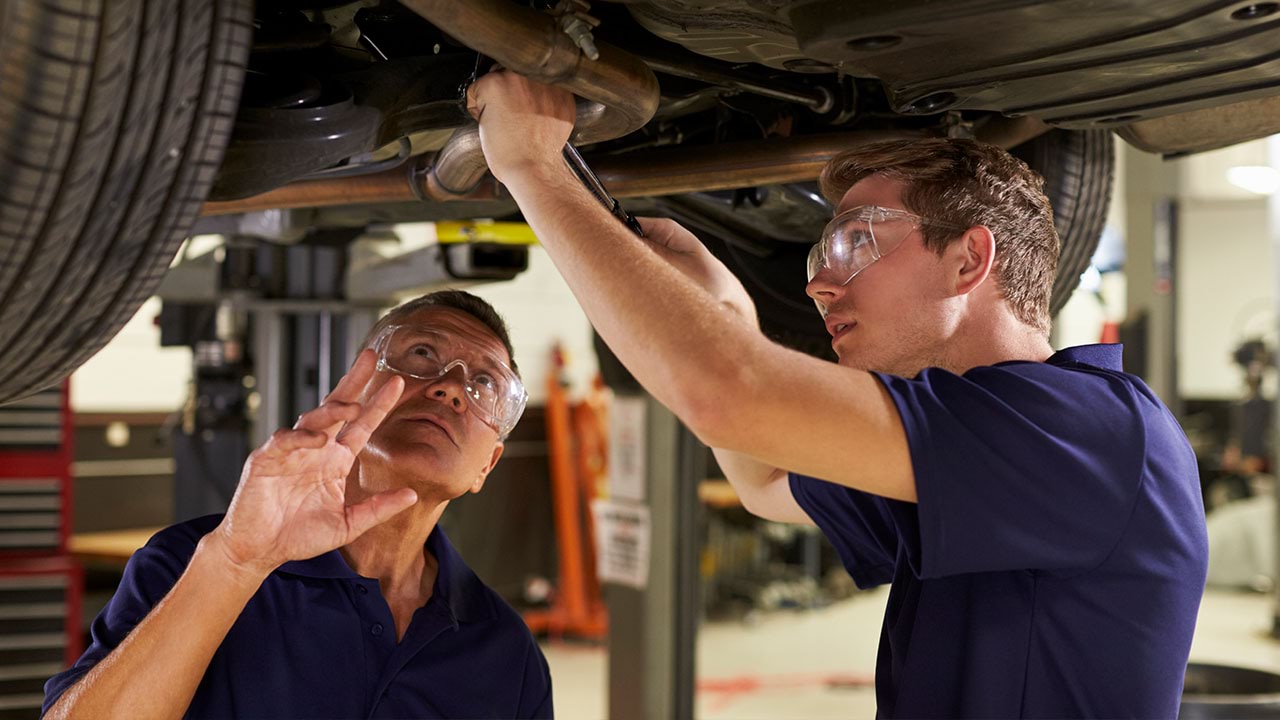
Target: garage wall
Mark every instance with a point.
(133, 373)
(1226, 291)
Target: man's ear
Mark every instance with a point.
(497, 453)
(974, 255)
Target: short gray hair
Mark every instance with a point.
(458, 300)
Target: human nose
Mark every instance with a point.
(824, 290)
(451, 387)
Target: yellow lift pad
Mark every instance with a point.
(506, 233)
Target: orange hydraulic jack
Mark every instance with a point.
(576, 608)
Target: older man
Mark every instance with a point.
(327, 590)
(1037, 513)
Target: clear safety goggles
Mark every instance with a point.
(860, 236)
(493, 390)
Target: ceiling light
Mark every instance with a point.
(1258, 179)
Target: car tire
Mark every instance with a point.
(1078, 167)
(113, 119)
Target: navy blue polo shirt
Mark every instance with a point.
(1054, 563)
(318, 641)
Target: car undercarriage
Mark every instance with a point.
(130, 126)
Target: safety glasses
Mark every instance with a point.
(493, 390)
(860, 236)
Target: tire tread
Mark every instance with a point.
(110, 133)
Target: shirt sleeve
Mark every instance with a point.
(149, 575)
(1030, 467)
(858, 525)
(535, 695)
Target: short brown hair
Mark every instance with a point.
(458, 300)
(966, 183)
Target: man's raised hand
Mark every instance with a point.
(524, 124)
(291, 501)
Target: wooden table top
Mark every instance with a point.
(111, 547)
(718, 494)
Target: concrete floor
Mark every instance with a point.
(819, 663)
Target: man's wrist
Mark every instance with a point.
(217, 557)
(537, 175)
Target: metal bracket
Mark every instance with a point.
(575, 20)
(957, 126)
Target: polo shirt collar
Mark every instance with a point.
(1107, 357)
(329, 566)
(456, 585)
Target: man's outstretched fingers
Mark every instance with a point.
(286, 440)
(349, 387)
(357, 432)
(329, 417)
(378, 509)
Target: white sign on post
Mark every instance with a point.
(622, 542)
(626, 448)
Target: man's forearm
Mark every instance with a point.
(762, 488)
(155, 671)
(633, 298)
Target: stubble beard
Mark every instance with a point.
(905, 365)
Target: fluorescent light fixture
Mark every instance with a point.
(1258, 179)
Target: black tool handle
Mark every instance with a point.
(592, 183)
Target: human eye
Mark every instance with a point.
(422, 350)
(849, 236)
(418, 357)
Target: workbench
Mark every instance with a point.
(110, 548)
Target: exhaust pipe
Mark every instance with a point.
(621, 90)
(663, 172)
(668, 171)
